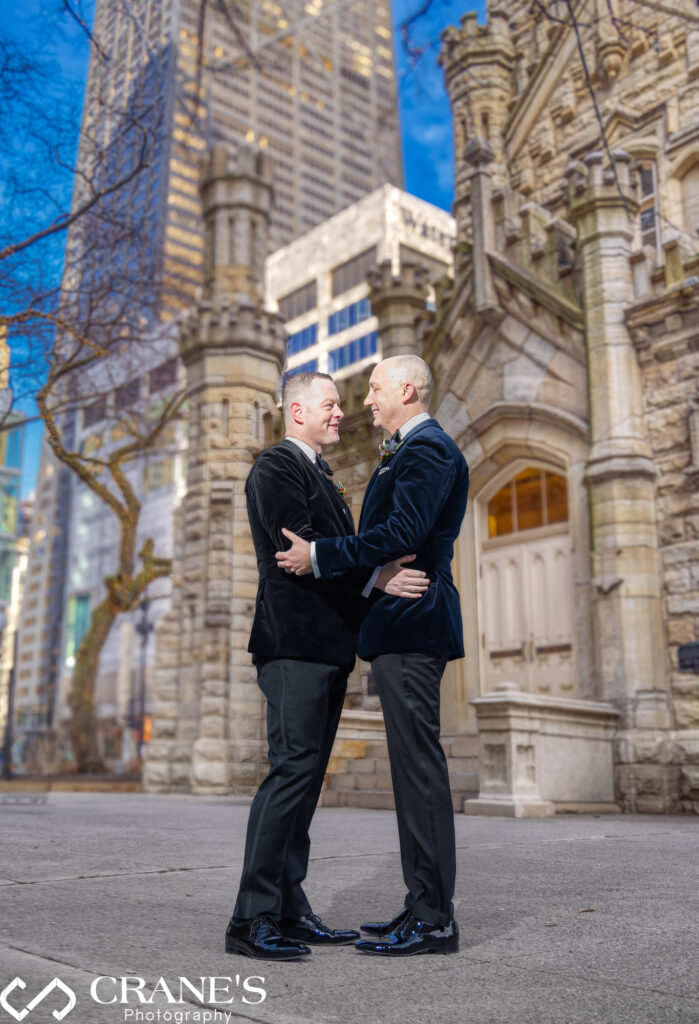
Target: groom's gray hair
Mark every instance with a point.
(409, 369)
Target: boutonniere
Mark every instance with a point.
(388, 448)
(340, 488)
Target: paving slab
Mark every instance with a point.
(569, 920)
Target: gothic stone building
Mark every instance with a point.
(565, 352)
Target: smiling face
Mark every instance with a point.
(387, 400)
(316, 415)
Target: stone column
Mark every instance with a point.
(208, 734)
(398, 303)
(621, 481)
(479, 154)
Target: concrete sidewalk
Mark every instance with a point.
(570, 920)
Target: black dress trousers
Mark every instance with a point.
(409, 690)
(304, 702)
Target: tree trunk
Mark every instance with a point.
(83, 724)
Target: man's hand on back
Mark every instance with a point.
(297, 559)
(399, 582)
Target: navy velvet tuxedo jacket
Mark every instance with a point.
(414, 503)
(299, 616)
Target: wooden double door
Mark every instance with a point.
(527, 612)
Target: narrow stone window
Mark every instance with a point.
(649, 217)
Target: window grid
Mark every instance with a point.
(353, 351)
(353, 272)
(299, 301)
(302, 339)
(349, 316)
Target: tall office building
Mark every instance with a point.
(312, 82)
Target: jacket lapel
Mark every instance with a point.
(367, 494)
(341, 513)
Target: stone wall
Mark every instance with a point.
(666, 331)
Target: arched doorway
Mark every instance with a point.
(526, 602)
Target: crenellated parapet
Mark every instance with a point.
(226, 325)
(603, 196)
(398, 303)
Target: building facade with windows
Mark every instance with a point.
(319, 282)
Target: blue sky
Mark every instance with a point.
(47, 35)
(428, 151)
(53, 36)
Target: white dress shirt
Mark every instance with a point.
(305, 448)
(405, 429)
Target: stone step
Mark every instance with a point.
(460, 746)
(381, 800)
(376, 748)
(464, 783)
(378, 799)
(461, 764)
(360, 780)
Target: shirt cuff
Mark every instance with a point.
(371, 582)
(314, 560)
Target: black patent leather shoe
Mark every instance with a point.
(310, 928)
(262, 939)
(386, 927)
(414, 937)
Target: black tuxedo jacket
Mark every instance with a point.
(299, 616)
(415, 502)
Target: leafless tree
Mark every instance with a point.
(79, 279)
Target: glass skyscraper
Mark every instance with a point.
(310, 81)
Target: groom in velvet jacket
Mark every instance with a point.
(303, 642)
(415, 501)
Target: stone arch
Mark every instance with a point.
(499, 440)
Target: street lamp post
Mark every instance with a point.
(144, 627)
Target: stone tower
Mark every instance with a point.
(478, 62)
(207, 729)
(621, 475)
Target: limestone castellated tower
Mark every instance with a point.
(207, 731)
(478, 62)
(620, 470)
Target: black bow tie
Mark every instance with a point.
(396, 438)
(323, 466)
